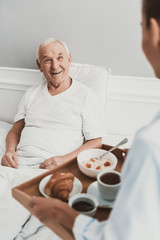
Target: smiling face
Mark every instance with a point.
(54, 63)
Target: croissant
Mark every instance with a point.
(60, 185)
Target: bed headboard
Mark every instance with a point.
(13, 83)
(132, 102)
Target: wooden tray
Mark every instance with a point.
(24, 192)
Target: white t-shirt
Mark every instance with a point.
(136, 212)
(57, 125)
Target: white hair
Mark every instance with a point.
(49, 41)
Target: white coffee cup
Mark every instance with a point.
(109, 182)
(80, 199)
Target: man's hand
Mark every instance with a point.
(52, 162)
(49, 210)
(58, 160)
(10, 160)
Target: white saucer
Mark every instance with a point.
(77, 186)
(93, 190)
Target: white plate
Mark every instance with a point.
(77, 186)
(93, 190)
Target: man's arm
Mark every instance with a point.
(10, 157)
(55, 161)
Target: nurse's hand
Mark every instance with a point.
(49, 210)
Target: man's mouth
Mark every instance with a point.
(55, 73)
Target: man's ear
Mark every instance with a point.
(70, 58)
(38, 65)
(155, 32)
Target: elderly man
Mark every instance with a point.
(57, 118)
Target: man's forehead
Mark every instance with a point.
(54, 47)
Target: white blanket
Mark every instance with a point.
(15, 221)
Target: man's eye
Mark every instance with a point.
(47, 60)
(60, 58)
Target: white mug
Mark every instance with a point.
(109, 182)
(81, 198)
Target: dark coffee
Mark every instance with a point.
(82, 206)
(110, 178)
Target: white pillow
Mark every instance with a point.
(4, 129)
(95, 77)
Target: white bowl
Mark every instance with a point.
(84, 197)
(93, 153)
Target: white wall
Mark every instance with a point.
(99, 32)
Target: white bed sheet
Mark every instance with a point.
(15, 221)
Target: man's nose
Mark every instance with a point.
(55, 64)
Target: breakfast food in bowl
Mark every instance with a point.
(89, 163)
(60, 185)
(98, 164)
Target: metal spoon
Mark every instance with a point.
(113, 148)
